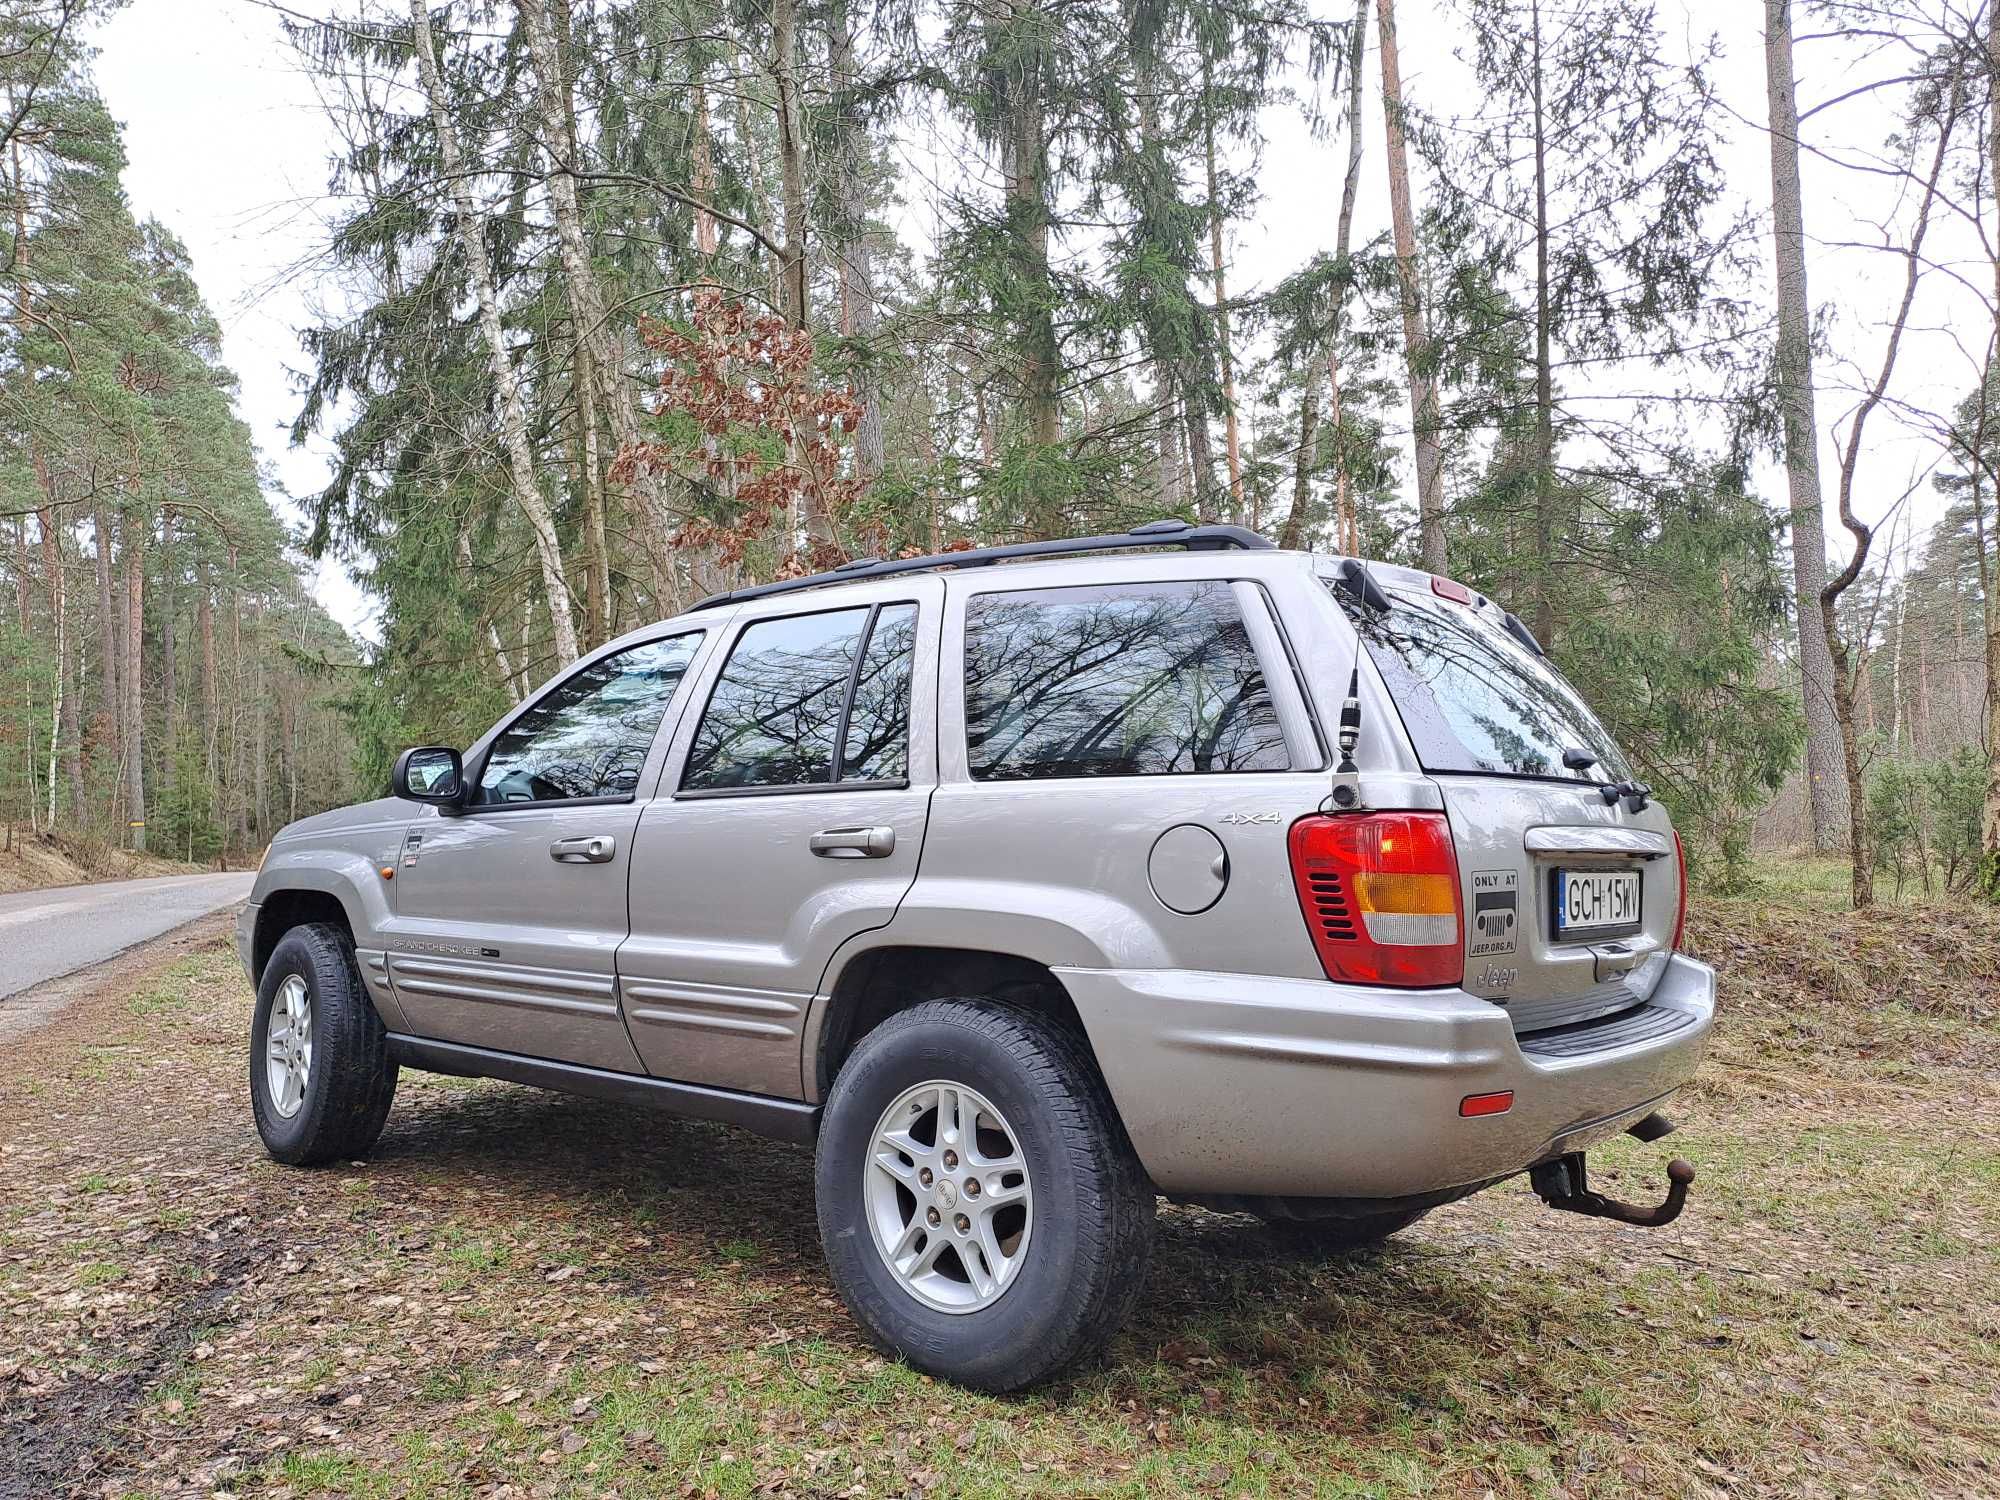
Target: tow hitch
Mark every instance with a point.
(1562, 1184)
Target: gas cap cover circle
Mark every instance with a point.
(1188, 868)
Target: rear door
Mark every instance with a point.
(1132, 753)
(1571, 892)
(791, 818)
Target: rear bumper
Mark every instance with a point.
(1230, 1084)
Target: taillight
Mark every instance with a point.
(1681, 915)
(1380, 896)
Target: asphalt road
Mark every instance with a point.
(47, 934)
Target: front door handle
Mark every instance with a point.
(853, 843)
(596, 849)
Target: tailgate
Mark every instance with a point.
(1570, 902)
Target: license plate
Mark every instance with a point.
(1596, 903)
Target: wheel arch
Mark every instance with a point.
(284, 909)
(877, 983)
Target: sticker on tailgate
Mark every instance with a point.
(1496, 912)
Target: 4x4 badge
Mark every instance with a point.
(1251, 817)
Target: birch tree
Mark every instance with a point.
(470, 226)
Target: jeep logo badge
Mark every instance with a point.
(1496, 912)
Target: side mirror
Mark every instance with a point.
(431, 774)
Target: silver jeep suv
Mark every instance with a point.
(1025, 885)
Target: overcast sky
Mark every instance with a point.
(228, 147)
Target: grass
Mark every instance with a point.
(572, 1299)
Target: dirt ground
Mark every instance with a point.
(526, 1295)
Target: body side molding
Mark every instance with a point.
(781, 1119)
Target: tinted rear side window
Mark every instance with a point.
(1137, 680)
(1474, 699)
(775, 711)
(795, 688)
(877, 744)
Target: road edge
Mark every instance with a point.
(28, 1011)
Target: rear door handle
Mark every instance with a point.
(853, 843)
(596, 849)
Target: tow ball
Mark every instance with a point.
(1562, 1184)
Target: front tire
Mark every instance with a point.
(982, 1211)
(321, 1080)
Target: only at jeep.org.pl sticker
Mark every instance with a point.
(1496, 912)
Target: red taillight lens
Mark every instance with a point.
(1380, 896)
(1681, 915)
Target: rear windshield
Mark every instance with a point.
(1475, 699)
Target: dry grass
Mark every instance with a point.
(39, 861)
(522, 1294)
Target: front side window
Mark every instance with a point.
(809, 700)
(588, 736)
(1150, 679)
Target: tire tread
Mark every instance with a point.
(350, 1043)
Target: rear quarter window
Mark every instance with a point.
(1133, 680)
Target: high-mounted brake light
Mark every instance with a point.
(1444, 588)
(1681, 865)
(1380, 896)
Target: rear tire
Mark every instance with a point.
(321, 1080)
(1343, 1236)
(1046, 1166)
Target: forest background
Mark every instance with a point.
(1672, 330)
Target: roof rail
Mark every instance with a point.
(1168, 533)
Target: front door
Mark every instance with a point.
(791, 819)
(510, 912)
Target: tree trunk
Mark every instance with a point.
(596, 352)
(1231, 440)
(204, 623)
(791, 159)
(109, 638)
(1347, 537)
(1825, 774)
(66, 746)
(855, 254)
(1989, 843)
(134, 737)
(513, 417)
(701, 173)
(1416, 341)
(1545, 405)
(597, 555)
(1295, 524)
(1170, 473)
(1024, 167)
(169, 661)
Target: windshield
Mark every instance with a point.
(1475, 699)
